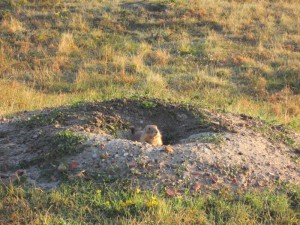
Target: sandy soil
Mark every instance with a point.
(206, 150)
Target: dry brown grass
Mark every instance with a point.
(158, 57)
(12, 25)
(246, 51)
(67, 44)
(16, 96)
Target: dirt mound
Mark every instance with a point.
(91, 141)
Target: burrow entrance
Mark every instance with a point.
(175, 121)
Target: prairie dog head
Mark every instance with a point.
(152, 130)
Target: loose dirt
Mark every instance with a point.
(203, 150)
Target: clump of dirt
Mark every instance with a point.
(203, 150)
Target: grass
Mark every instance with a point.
(64, 142)
(237, 56)
(39, 120)
(89, 203)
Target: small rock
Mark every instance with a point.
(246, 167)
(62, 168)
(132, 164)
(259, 183)
(81, 174)
(196, 186)
(170, 192)
(135, 171)
(126, 154)
(196, 173)
(232, 179)
(161, 165)
(104, 156)
(73, 165)
(214, 179)
(242, 180)
(168, 149)
(95, 153)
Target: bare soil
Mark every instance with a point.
(206, 150)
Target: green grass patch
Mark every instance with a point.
(64, 143)
(90, 203)
(40, 120)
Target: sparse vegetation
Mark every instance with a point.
(216, 139)
(148, 104)
(61, 144)
(43, 119)
(65, 142)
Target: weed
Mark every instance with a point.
(43, 119)
(277, 132)
(216, 139)
(148, 104)
(64, 143)
(204, 122)
(231, 170)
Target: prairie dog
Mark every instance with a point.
(149, 134)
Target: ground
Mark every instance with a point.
(72, 161)
(204, 150)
